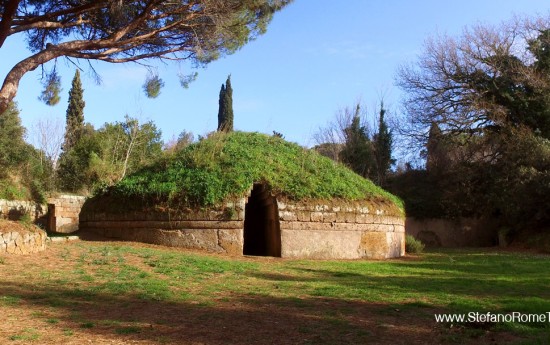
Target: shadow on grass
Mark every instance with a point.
(508, 284)
(242, 319)
(474, 286)
(290, 302)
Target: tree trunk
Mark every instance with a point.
(11, 83)
(10, 9)
(134, 133)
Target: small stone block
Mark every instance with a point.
(316, 216)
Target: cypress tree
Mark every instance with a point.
(225, 110)
(383, 143)
(75, 114)
(221, 108)
(435, 150)
(229, 105)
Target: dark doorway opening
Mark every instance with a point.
(51, 221)
(262, 232)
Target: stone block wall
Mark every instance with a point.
(461, 232)
(59, 215)
(328, 230)
(22, 242)
(63, 213)
(340, 230)
(16, 209)
(217, 230)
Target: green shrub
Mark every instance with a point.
(412, 245)
(26, 219)
(25, 171)
(12, 191)
(37, 192)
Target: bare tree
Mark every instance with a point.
(128, 31)
(47, 134)
(489, 78)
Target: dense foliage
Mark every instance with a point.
(358, 151)
(421, 195)
(73, 170)
(24, 174)
(126, 147)
(91, 158)
(104, 156)
(227, 164)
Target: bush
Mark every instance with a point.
(37, 192)
(26, 172)
(10, 190)
(412, 245)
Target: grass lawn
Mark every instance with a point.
(123, 293)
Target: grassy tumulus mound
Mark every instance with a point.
(225, 166)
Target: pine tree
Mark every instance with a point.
(383, 146)
(75, 114)
(152, 86)
(225, 110)
(52, 89)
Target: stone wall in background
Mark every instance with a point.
(22, 241)
(59, 215)
(17, 209)
(461, 232)
(63, 213)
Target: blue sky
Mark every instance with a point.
(317, 56)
